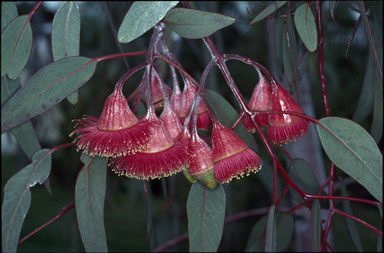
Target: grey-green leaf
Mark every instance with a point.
(268, 11)
(8, 88)
(316, 225)
(355, 152)
(8, 13)
(206, 212)
(90, 195)
(46, 88)
(66, 36)
(16, 44)
(195, 24)
(302, 174)
(228, 115)
(142, 16)
(270, 237)
(27, 139)
(17, 198)
(306, 26)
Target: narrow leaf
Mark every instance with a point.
(27, 139)
(90, 195)
(351, 225)
(365, 104)
(195, 24)
(270, 237)
(206, 212)
(332, 7)
(8, 13)
(16, 44)
(8, 88)
(306, 26)
(66, 35)
(302, 174)
(284, 230)
(268, 11)
(354, 151)
(228, 115)
(316, 225)
(141, 17)
(17, 198)
(46, 88)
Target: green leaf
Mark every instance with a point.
(46, 88)
(351, 225)
(228, 115)
(268, 11)
(8, 13)
(8, 88)
(316, 225)
(270, 237)
(306, 26)
(355, 152)
(206, 212)
(66, 35)
(302, 174)
(284, 230)
(365, 104)
(90, 195)
(16, 44)
(27, 139)
(17, 198)
(141, 17)
(195, 24)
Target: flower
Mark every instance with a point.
(171, 121)
(116, 132)
(200, 161)
(260, 101)
(162, 158)
(157, 94)
(203, 120)
(285, 127)
(231, 156)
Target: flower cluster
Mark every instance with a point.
(281, 127)
(154, 147)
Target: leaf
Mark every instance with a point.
(66, 35)
(195, 24)
(46, 88)
(268, 11)
(16, 44)
(89, 201)
(228, 115)
(354, 151)
(284, 230)
(8, 88)
(141, 17)
(316, 225)
(17, 198)
(270, 237)
(8, 13)
(302, 175)
(206, 212)
(306, 26)
(351, 225)
(332, 7)
(365, 104)
(27, 139)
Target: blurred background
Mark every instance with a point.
(125, 209)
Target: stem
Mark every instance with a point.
(113, 56)
(127, 75)
(64, 210)
(378, 232)
(149, 223)
(33, 11)
(370, 202)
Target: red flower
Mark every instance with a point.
(285, 127)
(200, 161)
(260, 101)
(231, 156)
(162, 158)
(189, 93)
(115, 133)
(171, 121)
(157, 94)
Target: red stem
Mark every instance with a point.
(378, 232)
(63, 211)
(33, 11)
(112, 56)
